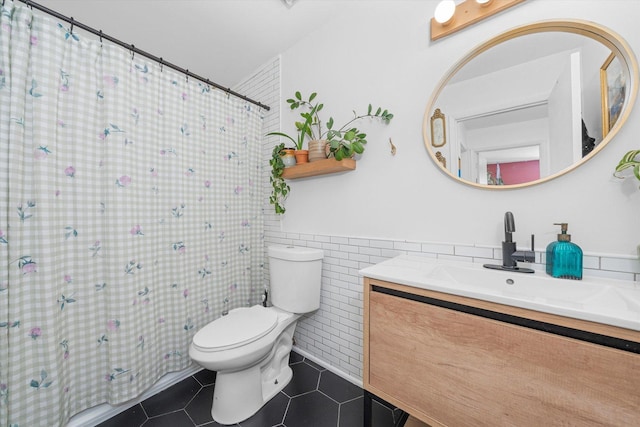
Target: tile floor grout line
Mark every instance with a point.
(144, 412)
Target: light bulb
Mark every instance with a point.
(484, 3)
(444, 11)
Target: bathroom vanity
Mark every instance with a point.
(457, 345)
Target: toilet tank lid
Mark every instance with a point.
(237, 328)
(295, 253)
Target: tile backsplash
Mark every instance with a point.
(334, 332)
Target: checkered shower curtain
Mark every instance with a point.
(130, 216)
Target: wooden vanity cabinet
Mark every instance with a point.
(455, 361)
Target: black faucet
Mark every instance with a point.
(510, 255)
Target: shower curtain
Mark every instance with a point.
(130, 216)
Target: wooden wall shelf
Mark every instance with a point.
(319, 167)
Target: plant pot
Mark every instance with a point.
(302, 156)
(317, 150)
(288, 157)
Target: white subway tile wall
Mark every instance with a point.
(333, 333)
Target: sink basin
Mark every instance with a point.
(608, 301)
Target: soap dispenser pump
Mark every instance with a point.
(564, 258)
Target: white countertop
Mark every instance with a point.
(607, 301)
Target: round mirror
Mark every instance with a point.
(531, 104)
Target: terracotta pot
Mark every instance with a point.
(302, 156)
(317, 150)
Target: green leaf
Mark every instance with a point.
(281, 134)
(312, 97)
(298, 96)
(349, 135)
(358, 147)
(369, 110)
(330, 123)
(378, 111)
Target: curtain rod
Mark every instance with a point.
(134, 49)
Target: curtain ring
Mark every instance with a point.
(161, 64)
(100, 36)
(71, 28)
(133, 51)
(187, 74)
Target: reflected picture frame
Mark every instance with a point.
(438, 129)
(613, 89)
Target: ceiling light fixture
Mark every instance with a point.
(449, 17)
(288, 3)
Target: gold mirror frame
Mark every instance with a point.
(608, 38)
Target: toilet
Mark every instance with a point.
(249, 347)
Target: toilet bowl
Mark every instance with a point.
(249, 347)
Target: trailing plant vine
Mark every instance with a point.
(280, 189)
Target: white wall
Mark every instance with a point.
(403, 204)
(384, 56)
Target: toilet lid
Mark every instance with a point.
(237, 328)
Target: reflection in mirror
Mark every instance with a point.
(533, 103)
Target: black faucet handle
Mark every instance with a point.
(524, 256)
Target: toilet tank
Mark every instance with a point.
(295, 274)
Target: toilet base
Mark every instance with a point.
(240, 394)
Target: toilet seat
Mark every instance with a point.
(239, 327)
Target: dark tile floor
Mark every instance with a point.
(315, 397)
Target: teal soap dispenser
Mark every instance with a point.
(564, 258)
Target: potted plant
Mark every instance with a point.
(301, 155)
(280, 189)
(629, 160)
(342, 142)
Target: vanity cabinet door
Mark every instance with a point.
(455, 369)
